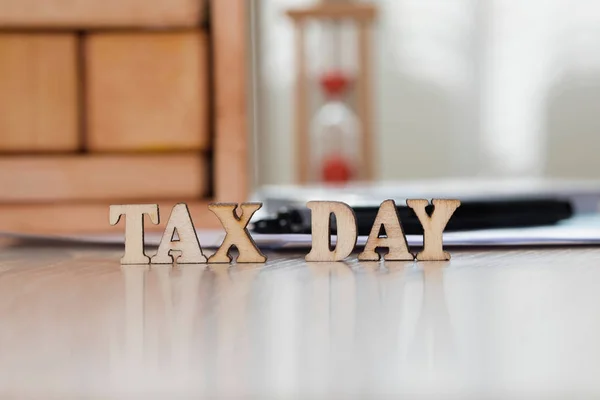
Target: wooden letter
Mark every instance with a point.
(186, 243)
(134, 229)
(433, 226)
(394, 239)
(320, 228)
(236, 233)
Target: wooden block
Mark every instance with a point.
(394, 240)
(433, 226)
(38, 92)
(183, 248)
(236, 233)
(347, 231)
(147, 91)
(85, 14)
(100, 177)
(82, 218)
(230, 63)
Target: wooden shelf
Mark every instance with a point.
(88, 177)
(69, 218)
(86, 14)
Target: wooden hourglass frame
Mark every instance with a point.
(362, 15)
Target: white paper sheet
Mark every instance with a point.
(582, 230)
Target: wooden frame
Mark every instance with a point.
(363, 15)
(361, 12)
(231, 144)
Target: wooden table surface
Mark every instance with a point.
(515, 323)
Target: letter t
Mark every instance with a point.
(134, 229)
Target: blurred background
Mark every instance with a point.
(490, 88)
(197, 100)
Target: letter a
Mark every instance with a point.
(186, 244)
(395, 241)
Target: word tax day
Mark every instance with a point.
(180, 243)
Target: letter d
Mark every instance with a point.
(321, 229)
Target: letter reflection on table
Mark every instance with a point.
(432, 348)
(232, 301)
(328, 328)
(161, 308)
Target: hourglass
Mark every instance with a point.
(336, 144)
